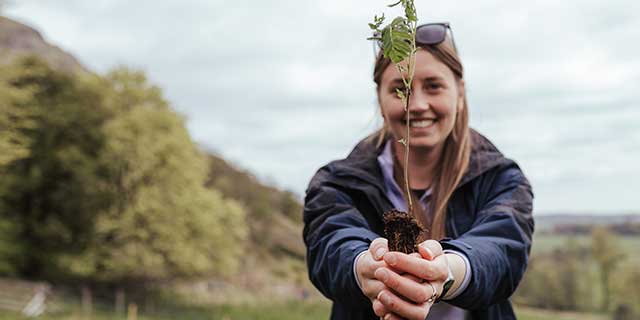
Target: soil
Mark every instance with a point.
(402, 231)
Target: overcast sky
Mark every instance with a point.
(282, 87)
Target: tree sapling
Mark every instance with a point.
(398, 43)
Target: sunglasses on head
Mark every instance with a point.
(432, 34)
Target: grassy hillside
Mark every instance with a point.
(274, 263)
(274, 216)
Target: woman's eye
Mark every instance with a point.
(433, 86)
(394, 91)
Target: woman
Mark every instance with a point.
(475, 203)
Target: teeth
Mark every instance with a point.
(421, 124)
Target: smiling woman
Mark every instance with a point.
(436, 100)
(474, 205)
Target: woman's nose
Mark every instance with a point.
(418, 102)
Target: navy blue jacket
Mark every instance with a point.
(489, 219)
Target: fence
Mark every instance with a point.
(26, 297)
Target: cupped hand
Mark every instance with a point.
(411, 281)
(430, 265)
(367, 265)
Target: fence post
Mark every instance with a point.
(120, 302)
(132, 313)
(87, 303)
(150, 307)
(36, 305)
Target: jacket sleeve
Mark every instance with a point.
(334, 233)
(499, 240)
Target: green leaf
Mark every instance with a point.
(377, 22)
(410, 11)
(397, 40)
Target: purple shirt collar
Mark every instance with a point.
(392, 190)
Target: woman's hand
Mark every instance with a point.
(367, 265)
(415, 278)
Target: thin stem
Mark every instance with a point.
(407, 95)
(407, 147)
(406, 157)
(411, 22)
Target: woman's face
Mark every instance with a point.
(436, 98)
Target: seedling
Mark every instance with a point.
(398, 43)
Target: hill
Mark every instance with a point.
(275, 250)
(18, 39)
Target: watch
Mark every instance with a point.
(446, 285)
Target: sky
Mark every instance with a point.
(281, 88)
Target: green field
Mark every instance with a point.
(280, 311)
(317, 308)
(539, 314)
(628, 245)
(546, 242)
(284, 311)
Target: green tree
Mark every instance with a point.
(607, 256)
(164, 223)
(15, 120)
(558, 279)
(10, 249)
(14, 116)
(109, 185)
(629, 292)
(51, 191)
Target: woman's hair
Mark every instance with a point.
(454, 160)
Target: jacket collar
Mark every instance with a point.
(362, 165)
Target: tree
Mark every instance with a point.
(164, 222)
(53, 189)
(110, 186)
(628, 293)
(14, 117)
(398, 40)
(15, 120)
(554, 280)
(607, 256)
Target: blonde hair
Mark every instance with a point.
(454, 159)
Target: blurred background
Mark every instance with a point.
(154, 155)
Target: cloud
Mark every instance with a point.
(282, 87)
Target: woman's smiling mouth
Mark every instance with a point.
(420, 123)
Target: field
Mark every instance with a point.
(317, 308)
(628, 245)
(546, 242)
(281, 311)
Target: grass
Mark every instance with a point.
(277, 311)
(316, 308)
(524, 313)
(311, 310)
